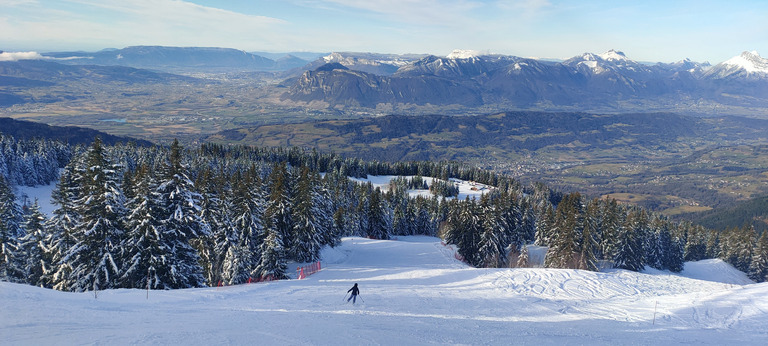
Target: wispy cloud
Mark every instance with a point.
(16, 56)
(178, 12)
(165, 22)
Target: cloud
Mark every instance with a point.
(177, 12)
(16, 56)
(115, 23)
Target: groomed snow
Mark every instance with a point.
(413, 292)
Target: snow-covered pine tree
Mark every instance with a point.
(758, 268)
(95, 258)
(248, 211)
(144, 251)
(425, 222)
(675, 257)
(492, 243)
(589, 245)
(696, 242)
(523, 259)
(402, 224)
(656, 244)
(272, 265)
(11, 259)
(514, 230)
(61, 226)
(278, 210)
(179, 223)
(629, 245)
(469, 230)
(672, 250)
(32, 245)
(325, 203)
(613, 220)
(216, 211)
(565, 240)
(308, 219)
(528, 220)
(736, 246)
(378, 227)
(545, 226)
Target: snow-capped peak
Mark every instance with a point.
(333, 57)
(751, 62)
(464, 54)
(613, 55)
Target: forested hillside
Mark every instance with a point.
(168, 217)
(21, 129)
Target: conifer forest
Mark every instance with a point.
(168, 217)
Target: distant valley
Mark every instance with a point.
(676, 137)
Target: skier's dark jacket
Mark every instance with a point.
(354, 290)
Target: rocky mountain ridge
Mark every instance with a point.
(608, 81)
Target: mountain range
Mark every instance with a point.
(183, 59)
(463, 81)
(608, 81)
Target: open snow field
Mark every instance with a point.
(413, 292)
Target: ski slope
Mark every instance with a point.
(413, 292)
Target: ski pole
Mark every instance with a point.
(345, 296)
(361, 298)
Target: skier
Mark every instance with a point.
(355, 291)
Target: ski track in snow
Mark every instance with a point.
(412, 292)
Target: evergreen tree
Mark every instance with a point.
(696, 242)
(629, 245)
(273, 257)
(492, 245)
(758, 268)
(565, 238)
(467, 225)
(675, 261)
(657, 245)
(32, 245)
(309, 219)
(95, 257)
(61, 227)
(11, 260)
(737, 246)
(545, 226)
(589, 244)
(378, 227)
(277, 214)
(523, 260)
(144, 251)
(214, 212)
(178, 223)
(612, 226)
(671, 250)
(244, 255)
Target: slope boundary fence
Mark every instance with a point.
(307, 270)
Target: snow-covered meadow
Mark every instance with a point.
(413, 291)
(466, 188)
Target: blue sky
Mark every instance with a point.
(646, 30)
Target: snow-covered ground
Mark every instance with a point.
(413, 291)
(473, 190)
(466, 188)
(27, 194)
